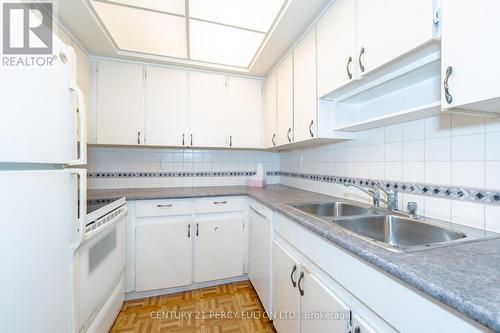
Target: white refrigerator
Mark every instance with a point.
(42, 193)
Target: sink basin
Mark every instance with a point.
(334, 209)
(398, 232)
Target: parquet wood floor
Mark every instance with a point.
(229, 308)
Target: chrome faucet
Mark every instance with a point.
(391, 194)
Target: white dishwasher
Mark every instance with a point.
(260, 252)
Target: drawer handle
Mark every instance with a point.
(164, 206)
(294, 269)
(258, 213)
(220, 202)
(298, 284)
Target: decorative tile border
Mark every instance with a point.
(440, 191)
(176, 174)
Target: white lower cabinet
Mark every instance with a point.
(219, 247)
(164, 253)
(301, 302)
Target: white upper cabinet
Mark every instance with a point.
(337, 61)
(244, 112)
(208, 105)
(120, 103)
(167, 104)
(469, 54)
(387, 29)
(305, 101)
(270, 111)
(285, 101)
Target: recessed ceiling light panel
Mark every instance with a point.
(144, 31)
(221, 44)
(169, 6)
(256, 15)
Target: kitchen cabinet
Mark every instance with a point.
(318, 299)
(470, 77)
(337, 61)
(270, 109)
(387, 29)
(305, 101)
(244, 112)
(219, 250)
(120, 103)
(164, 256)
(285, 101)
(208, 106)
(286, 297)
(260, 252)
(167, 106)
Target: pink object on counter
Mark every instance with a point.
(256, 183)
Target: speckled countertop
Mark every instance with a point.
(466, 277)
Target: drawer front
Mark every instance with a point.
(152, 208)
(219, 204)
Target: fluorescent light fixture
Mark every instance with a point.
(215, 43)
(144, 31)
(256, 15)
(169, 6)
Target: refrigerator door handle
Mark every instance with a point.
(82, 116)
(82, 206)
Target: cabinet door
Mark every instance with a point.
(304, 89)
(259, 257)
(318, 300)
(388, 29)
(472, 56)
(337, 46)
(219, 247)
(120, 103)
(166, 106)
(285, 101)
(270, 111)
(286, 297)
(163, 254)
(244, 105)
(208, 107)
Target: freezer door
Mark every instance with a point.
(38, 219)
(42, 110)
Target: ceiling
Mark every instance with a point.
(242, 36)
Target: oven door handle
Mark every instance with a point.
(106, 226)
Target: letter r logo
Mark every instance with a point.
(27, 28)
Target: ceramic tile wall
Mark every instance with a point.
(453, 150)
(103, 160)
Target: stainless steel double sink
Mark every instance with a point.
(395, 231)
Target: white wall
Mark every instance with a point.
(106, 160)
(454, 150)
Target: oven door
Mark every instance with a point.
(100, 263)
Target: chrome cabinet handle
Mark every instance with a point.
(220, 202)
(258, 213)
(230, 141)
(310, 128)
(274, 136)
(447, 94)
(294, 284)
(288, 135)
(164, 206)
(349, 75)
(298, 284)
(189, 230)
(138, 137)
(183, 139)
(197, 229)
(360, 62)
(191, 139)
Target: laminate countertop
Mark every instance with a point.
(465, 277)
